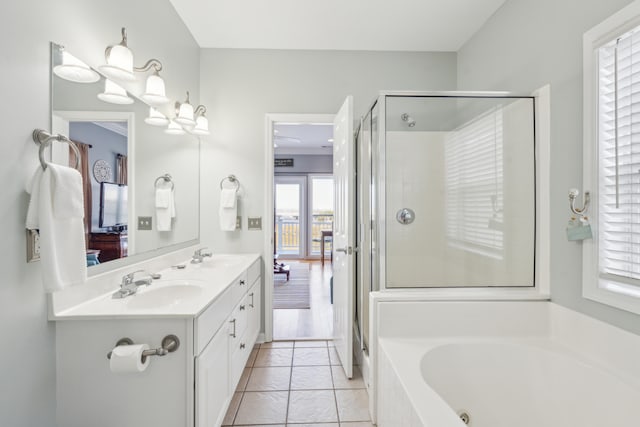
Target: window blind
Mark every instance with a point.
(619, 158)
(474, 184)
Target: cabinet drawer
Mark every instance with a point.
(239, 287)
(211, 320)
(238, 360)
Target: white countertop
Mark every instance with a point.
(211, 277)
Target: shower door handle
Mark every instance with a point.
(348, 250)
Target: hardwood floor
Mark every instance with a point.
(313, 323)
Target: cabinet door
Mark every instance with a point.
(254, 301)
(212, 382)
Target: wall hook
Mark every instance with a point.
(573, 194)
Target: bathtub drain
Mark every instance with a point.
(464, 417)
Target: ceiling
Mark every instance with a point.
(303, 138)
(384, 25)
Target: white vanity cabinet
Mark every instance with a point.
(192, 386)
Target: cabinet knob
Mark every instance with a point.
(242, 345)
(242, 282)
(241, 307)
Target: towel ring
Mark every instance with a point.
(165, 178)
(232, 179)
(43, 139)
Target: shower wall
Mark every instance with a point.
(466, 169)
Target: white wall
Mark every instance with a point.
(27, 382)
(241, 86)
(524, 46)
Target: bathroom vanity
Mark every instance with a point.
(212, 307)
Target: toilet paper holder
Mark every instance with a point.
(169, 344)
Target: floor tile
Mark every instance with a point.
(311, 378)
(353, 405)
(274, 357)
(340, 380)
(357, 424)
(242, 384)
(312, 407)
(233, 409)
(269, 379)
(310, 357)
(305, 344)
(333, 356)
(314, 425)
(263, 408)
(277, 344)
(252, 357)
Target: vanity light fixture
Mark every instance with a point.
(74, 70)
(114, 94)
(174, 129)
(155, 93)
(156, 118)
(184, 113)
(119, 59)
(202, 123)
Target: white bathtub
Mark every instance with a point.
(505, 364)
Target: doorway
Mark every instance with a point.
(300, 170)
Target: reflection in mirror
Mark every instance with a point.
(122, 155)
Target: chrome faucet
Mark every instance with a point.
(129, 285)
(199, 256)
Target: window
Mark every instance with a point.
(474, 185)
(611, 261)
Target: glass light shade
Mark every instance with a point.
(202, 126)
(74, 70)
(114, 94)
(155, 92)
(119, 64)
(174, 129)
(185, 115)
(156, 118)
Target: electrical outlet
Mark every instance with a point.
(255, 223)
(33, 245)
(145, 223)
(238, 222)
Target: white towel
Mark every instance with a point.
(67, 196)
(228, 198)
(62, 244)
(163, 197)
(164, 215)
(228, 210)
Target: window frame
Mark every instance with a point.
(615, 294)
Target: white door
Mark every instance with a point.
(343, 234)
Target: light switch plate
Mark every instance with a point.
(145, 223)
(255, 223)
(33, 245)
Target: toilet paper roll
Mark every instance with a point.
(128, 359)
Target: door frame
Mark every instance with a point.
(267, 252)
(303, 215)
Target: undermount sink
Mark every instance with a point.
(163, 293)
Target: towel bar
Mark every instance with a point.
(232, 179)
(43, 139)
(166, 178)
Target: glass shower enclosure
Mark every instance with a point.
(446, 193)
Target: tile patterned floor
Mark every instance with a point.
(298, 384)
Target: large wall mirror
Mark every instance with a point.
(128, 167)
